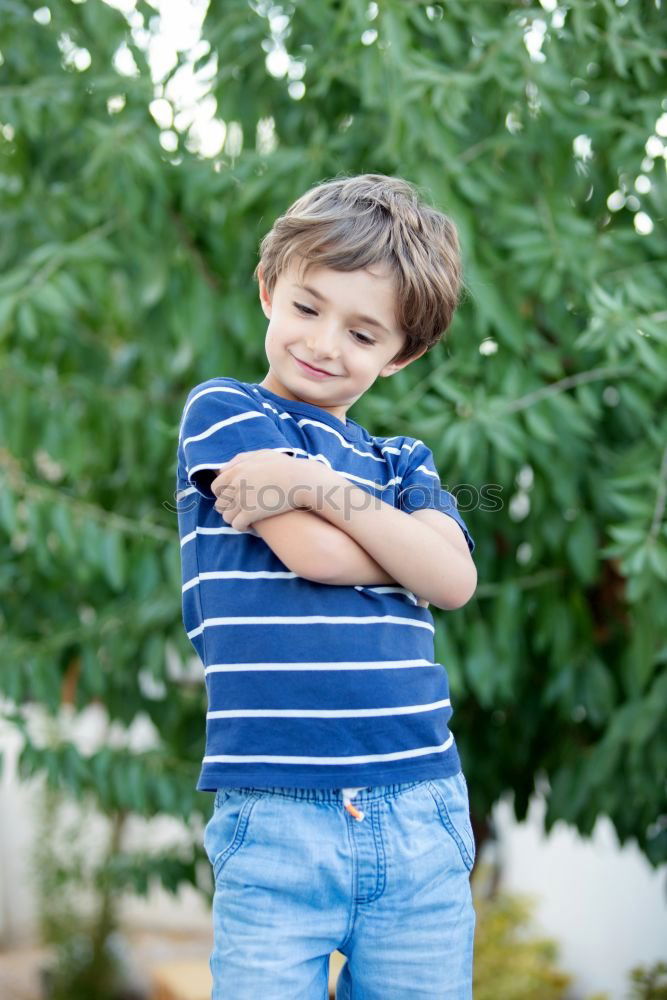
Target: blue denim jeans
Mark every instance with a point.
(387, 883)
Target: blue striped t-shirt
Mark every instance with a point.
(309, 685)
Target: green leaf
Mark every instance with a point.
(657, 557)
(538, 425)
(597, 691)
(7, 510)
(114, 559)
(582, 548)
(628, 534)
(61, 521)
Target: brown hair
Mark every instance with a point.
(357, 222)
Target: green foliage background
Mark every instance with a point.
(126, 278)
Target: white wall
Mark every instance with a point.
(604, 904)
(16, 905)
(19, 802)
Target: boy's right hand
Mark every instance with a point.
(240, 486)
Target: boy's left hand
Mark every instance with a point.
(259, 484)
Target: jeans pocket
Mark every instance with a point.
(226, 830)
(451, 799)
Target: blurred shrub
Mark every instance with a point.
(649, 983)
(511, 963)
(78, 904)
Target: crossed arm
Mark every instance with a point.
(319, 551)
(361, 546)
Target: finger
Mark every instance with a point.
(217, 484)
(223, 490)
(238, 522)
(225, 499)
(229, 515)
(223, 472)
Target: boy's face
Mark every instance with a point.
(317, 319)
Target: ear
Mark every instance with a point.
(264, 296)
(394, 367)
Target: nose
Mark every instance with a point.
(324, 344)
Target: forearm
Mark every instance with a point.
(306, 543)
(348, 564)
(315, 549)
(352, 565)
(409, 551)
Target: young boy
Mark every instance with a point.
(310, 552)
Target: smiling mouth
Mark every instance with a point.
(320, 371)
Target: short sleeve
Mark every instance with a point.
(221, 419)
(420, 489)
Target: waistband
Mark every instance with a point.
(338, 796)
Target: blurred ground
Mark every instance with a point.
(19, 967)
(162, 960)
(19, 973)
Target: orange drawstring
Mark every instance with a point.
(354, 812)
(348, 795)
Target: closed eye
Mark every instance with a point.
(306, 311)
